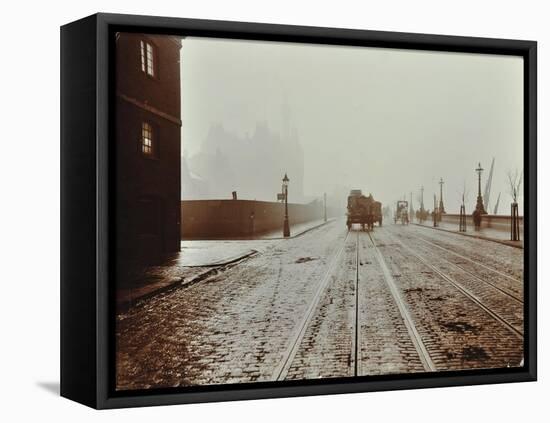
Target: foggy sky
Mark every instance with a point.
(382, 120)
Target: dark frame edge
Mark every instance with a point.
(318, 35)
(97, 370)
(78, 378)
(351, 387)
(530, 142)
(105, 91)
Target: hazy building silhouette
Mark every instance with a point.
(252, 164)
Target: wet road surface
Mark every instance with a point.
(333, 303)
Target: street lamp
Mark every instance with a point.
(435, 211)
(286, 226)
(441, 207)
(480, 208)
(462, 222)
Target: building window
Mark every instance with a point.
(147, 141)
(147, 58)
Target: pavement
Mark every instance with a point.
(295, 230)
(331, 303)
(199, 260)
(488, 234)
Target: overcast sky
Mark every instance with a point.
(382, 120)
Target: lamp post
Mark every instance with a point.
(286, 226)
(480, 208)
(462, 222)
(435, 212)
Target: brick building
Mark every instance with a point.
(148, 137)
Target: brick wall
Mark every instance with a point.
(147, 187)
(226, 218)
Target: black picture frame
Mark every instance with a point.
(87, 198)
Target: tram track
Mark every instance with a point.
(475, 262)
(293, 346)
(304, 343)
(368, 307)
(466, 292)
(509, 293)
(414, 335)
(355, 358)
(357, 325)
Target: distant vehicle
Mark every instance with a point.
(363, 210)
(402, 212)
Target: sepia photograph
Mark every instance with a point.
(287, 211)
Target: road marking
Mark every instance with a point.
(284, 365)
(421, 349)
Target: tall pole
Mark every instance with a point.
(286, 226)
(411, 210)
(441, 207)
(462, 223)
(480, 208)
(514, 235)
(435, 211)
(325, 200)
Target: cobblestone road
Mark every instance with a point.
(332, 304)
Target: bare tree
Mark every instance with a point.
(515, 179)
(462, 195)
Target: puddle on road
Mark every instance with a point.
(306, 259)
(461, 327)
(474, 353)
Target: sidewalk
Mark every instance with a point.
(197, 261)
(488, 234)
(297, 229)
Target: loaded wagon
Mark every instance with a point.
(363, 210)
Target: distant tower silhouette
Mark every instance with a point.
(293, 151)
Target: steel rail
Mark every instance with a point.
(463, 290)
(357, 340)
(502, 290)
(416, 339)
(472, 261)
(281, 371)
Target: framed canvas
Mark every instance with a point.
(257, 211)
